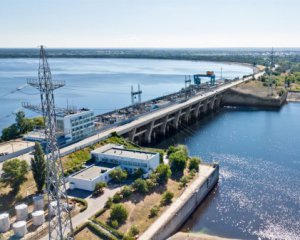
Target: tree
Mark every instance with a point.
(117, 198)
(21, 122)
(10, 132)
(118, 213)
(99, 188)
(171, 150)
(14, 173)
(118, 175)
(38, 122)
(178, 161)
(194, 163)
(182, 148)
(167, 198)
(163, 173)
(38, 167)
(138, 173)
(140, 185)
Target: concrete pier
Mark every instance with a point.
(173, 218)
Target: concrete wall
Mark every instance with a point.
(183, 207)
(234, 97)
(16, 154)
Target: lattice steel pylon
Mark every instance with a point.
(60, 224)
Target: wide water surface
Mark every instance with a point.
(258, 195)
(100, 84)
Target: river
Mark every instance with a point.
(99, 84)
(258, 195)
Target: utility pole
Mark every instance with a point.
(134, 93)
(60, 226)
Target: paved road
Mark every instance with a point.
(94, 204)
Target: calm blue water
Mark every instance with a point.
(258, 196)
(100, 84)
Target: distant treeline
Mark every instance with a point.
(242, 55)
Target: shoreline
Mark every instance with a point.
(197, 236)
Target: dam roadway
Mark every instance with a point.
(147, 127)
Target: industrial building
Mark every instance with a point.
(109, 157)
(87, 179)
(128, 159)
(75, 124)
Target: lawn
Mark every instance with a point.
(85, 234)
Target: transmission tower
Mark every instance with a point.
(60, 225)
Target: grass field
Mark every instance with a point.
(86, 234)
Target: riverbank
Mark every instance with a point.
(254, 94)
(196, 236)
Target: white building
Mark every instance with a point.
(109, 157)
(127, 159)
(86, 179)
(76, 125)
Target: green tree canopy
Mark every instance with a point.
(99, 187)
(163, 173)
(10, 132)
(194, 163)
(118, 175)
(140, 185)
(14, 173)
(178, 161)
(38, 167)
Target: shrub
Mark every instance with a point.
(167, 198)
(183, 181)
(126, 191)
(161, 156)
(114, 224)
(194, 163)
(117, 198)
(83, 202)
(118, 213)
(140, 185)
(151, 184)
(128, 236)
(154, 211)
(163, 173)
(108, 203)
(134, 230)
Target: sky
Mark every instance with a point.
(149, 23)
